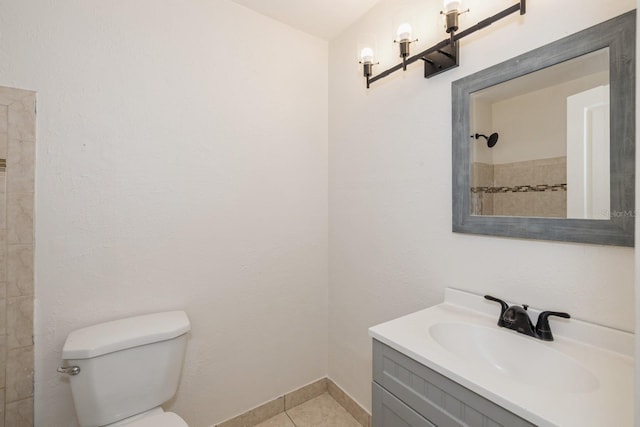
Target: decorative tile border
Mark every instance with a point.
(520, 188)
(297, 397)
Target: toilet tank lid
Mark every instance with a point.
(120, 334)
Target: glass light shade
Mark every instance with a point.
(366, 55)
(404, 32)
(451, 5)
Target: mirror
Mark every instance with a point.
(544, 144)
(559, 170)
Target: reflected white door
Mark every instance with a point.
(588, 189)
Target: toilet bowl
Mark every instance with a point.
(122, 371)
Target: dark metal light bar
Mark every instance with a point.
(444, 55)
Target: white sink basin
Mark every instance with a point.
(585, 378)
(521, 358)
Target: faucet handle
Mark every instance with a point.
(542, 325)
(504, 307)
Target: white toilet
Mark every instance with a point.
(122, 371)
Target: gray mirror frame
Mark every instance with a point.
(619, 35)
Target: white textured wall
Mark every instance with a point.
(391, 249)
(181, 164)
(524, 139)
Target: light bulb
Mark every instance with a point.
(366, 55)
(451, 5)
(404, 32)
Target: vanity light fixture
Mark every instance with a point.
(439, 57)
(404, 40)
(451, 12)
(366, 59)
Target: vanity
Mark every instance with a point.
(452, 365)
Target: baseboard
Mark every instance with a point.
(348, 403)
(297, 397)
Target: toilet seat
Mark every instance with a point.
(164, 419)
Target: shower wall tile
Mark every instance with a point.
(3, 321)
(19, 414)
(21, 117)
(551, 204)
(20, 166)
(19, 322)
(487, 204)
(2, 424)
(3, 202)
(19, 270)
(504, 175)
(532, 172)
(17, 147)
(506, 204)
(3, 363)
(4, 131)
(522, 204)
(19, 374)
(3, 257)
(513, 174)
(552, 171)
(548, 204)
(481, 175)
(9, 95)
(555, 174)
(20, 218)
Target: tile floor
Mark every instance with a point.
(321, 411)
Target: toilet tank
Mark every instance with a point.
(127, 366)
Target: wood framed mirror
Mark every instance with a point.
(544, 143)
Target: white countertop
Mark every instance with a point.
(605, 352)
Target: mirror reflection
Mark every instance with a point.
(539, 144)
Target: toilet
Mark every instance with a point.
(122, 371)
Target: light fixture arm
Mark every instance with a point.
(447, 49)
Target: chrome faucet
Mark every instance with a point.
(517, 318)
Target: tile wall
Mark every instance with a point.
(17, 176)
(535, 188)
(481, 177)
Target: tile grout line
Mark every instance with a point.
(301, 396)
(5, 279)
(290, 419)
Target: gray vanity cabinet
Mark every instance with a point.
(407, 393)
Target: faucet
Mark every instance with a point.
(517, 318)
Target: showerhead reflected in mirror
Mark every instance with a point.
(492, 139)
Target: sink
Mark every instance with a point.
(585, 378)
(505, 352)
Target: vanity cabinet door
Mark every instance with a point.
(440, 400)
(388, 411)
